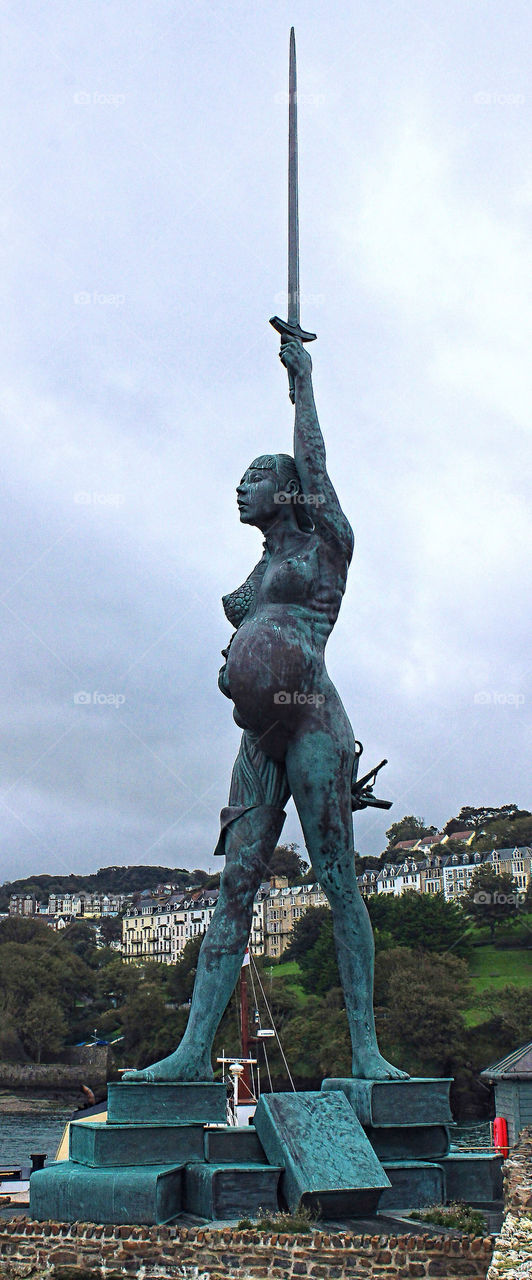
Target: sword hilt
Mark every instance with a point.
(291, 329)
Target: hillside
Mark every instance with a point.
(105, 880)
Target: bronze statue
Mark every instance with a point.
(297, 739)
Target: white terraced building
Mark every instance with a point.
(158, 928)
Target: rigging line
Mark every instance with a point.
(270, 1014)
(248, 1090)
(260, 1021)
(257, 1010)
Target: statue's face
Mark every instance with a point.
(255, 495)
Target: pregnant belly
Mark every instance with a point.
(272, 670)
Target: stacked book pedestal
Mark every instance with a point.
(409, 1125)
(352, 1148)
(165, 1150)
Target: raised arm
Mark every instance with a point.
(309, 453)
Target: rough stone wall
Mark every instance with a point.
(86, 1065)
(512, 1256)
(80, 1251)
(46, 1075)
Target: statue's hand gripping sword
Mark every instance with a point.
(291, 327)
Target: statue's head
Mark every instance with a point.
(270, 483)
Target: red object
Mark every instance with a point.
(500, 1136)
(245, 1095)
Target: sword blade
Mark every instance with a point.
(291, 328)
(293, 211)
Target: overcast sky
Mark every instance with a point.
(144, 249)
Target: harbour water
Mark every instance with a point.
(31, 1123)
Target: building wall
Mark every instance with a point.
(507, 1105)
(284, 907)
(159, 932)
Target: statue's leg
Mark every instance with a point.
(319, 768)
(249, 839)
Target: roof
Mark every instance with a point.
(520, 851)
(516, 1066)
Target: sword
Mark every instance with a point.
(291, 327)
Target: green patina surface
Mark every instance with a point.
(415, 1183)
(99, 1145)
(409, 1142)
(176, 1103)
(384, 1103)
(225, 1191)
(475, 1177)
(69, 1192)
(233, 1146)
(326, 1155)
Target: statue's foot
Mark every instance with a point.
(370, 1065)
(174, 1069)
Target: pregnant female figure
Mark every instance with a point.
(297, 739)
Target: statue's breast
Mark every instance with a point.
(237, 603)
(291, 580)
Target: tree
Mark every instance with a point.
(422, 921)
(182, 975)
(504, 833)
(116, 981)
(110, 929)
(319, 968)
(143, 1016)
(492, 899)
(475, 819)
(366, 862)
(305, 933)
(11, 1046)
(419, 1000)
(285, 861)
(510, 1011)
(25, 929)
(43, 1027)
(29, 970)
(316, 1040)
(80, 937)
(408, 828)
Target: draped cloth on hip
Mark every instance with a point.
(257, 782)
